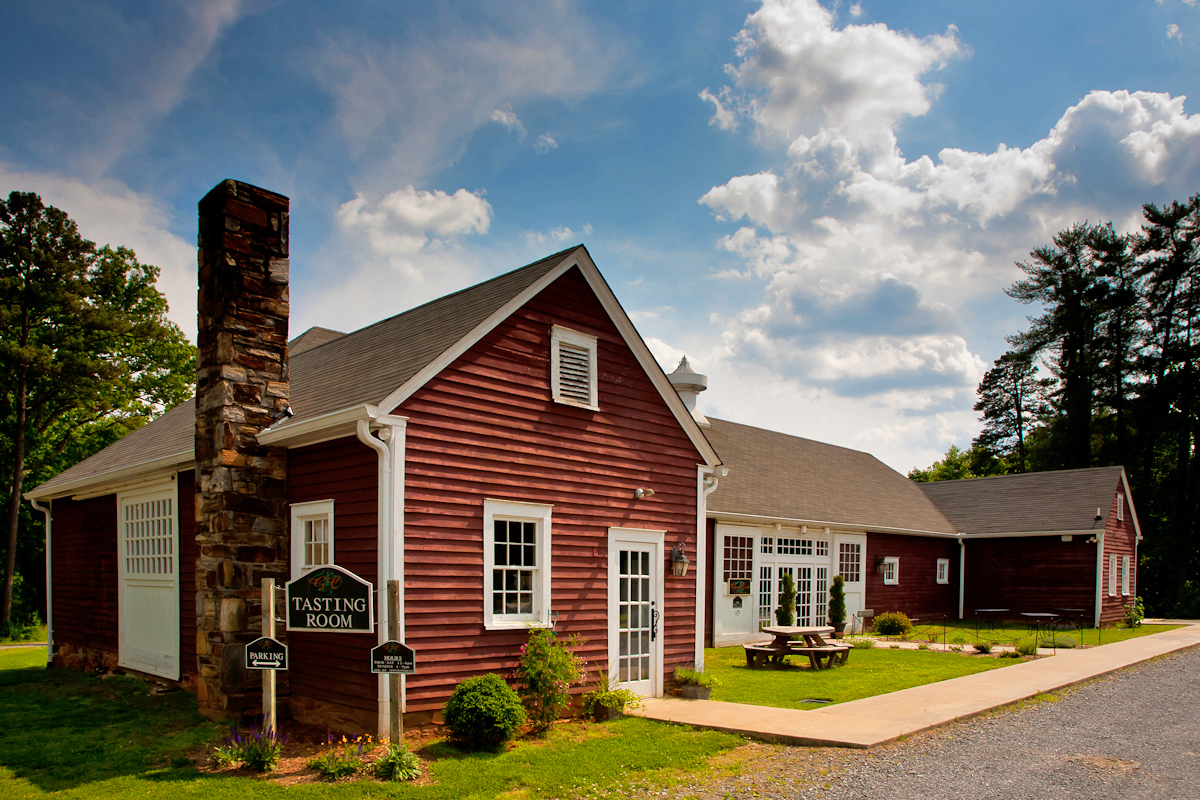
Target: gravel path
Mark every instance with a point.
(1133, 734)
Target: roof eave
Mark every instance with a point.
(109, 482)
(324, 428)
(761, 519)
(1019, 534)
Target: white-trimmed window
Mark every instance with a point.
(891, 571)
(850, 561)
(943, 570)
(516, 564)
(573, 368)
(1112, 575)
(1125, 575)
(312, 536)
(1121, 507)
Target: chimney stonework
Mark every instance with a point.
(242, 388)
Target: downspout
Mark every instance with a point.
(707, 479)
(389, 445)
(49, 591)
(1099, 574)
(962, 574)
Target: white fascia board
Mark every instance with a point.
(1019, 534)
(629, 333)
(334, 425)
(1137, 529)
(755, 519)
(108, 482)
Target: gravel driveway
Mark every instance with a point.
(1132, 734)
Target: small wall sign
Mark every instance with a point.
(266, 653)
(739, 586)
(393, 657)
(330, 599)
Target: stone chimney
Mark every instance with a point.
(242, 388)
(688, 384)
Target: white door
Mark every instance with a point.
(635, 575)
(849, 551)
(148, 592)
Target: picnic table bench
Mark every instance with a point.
(821, 654)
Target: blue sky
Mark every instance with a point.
(820, 203)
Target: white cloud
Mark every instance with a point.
(1173, 32)
(545, 143)
(509, 120)
(856, 10)
(109, 212)
(557, 236)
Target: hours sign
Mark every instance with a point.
(330, 599)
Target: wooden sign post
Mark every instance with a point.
(395, 715)
(268, 676)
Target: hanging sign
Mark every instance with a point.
(393, 657)
(266, 653)
(330, 599)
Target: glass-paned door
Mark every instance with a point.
(804, 595)
(637, 617)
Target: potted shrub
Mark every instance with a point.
(606, 702)
(695, 684)
(837, 606)
(785, 614)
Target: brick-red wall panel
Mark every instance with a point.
(84, 544)
(918, 594)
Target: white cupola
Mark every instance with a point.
(688, 384)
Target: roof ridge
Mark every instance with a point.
(795, 436)
(1010, 475)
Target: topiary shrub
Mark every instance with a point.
(483, 713)
(892, 623)
(785, 613)
(837, 601)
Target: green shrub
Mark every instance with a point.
(1135, 612)
(341, 759)
(837, 601)
(547, 670)
(606, 694)
(785, 614)
(1010, 654)
(923, 646)
(483, 712)
(1060, 640)
(1026, 647)
(860, 642)
(396, 764)
(892, 623)
(983, 647)
(685, 676)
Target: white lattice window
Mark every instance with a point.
(891, 571)
(312, 536)
(788, 547)
(148, 599)
(943, 570)
(767, 545)
(148, 533)
(516, 564)
(573, 368)
(850, 561)
(822, 548)
(739, 558)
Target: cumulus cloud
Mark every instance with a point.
(109, 212)
(545, 143)
(869, 263)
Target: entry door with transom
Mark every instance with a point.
(635, 573)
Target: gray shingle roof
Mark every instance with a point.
(1064, 500)
(788, 477)
(333, 371)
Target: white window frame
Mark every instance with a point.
(891, 577)
(164, 610)
(1112, 575)
(943, 570)
(1125, 576)
(304, 512)
(522, 512)
(559, 336)
(1120, 507)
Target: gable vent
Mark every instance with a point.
(574, 371)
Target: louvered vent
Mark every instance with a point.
(574, 373)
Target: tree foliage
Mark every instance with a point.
(86, 355)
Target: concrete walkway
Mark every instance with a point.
(876, 720)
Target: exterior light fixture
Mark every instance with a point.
(640, 493)
(679, 561)
(879, 564)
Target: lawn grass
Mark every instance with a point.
(964, 633)
(866, 674)
(69, 735)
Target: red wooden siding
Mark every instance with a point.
(1031, 573)
(84, 548)
(187, 572)
(1119, 540)
(486, 428)
(710, 545)
(335, 667)
(918, 594)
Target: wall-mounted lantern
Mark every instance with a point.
(679, 561)
(879, 563)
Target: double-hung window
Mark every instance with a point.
(516, 564)
(891, 571)
(1112, 575)
(573, 372)
(943, 570)
(312, 536)
(1125, 575)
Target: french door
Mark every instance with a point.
(635, 574)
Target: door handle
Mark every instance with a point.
(653, 622)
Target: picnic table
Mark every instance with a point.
(821, 654)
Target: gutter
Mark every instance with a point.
(49, 586)
(962, 574)
(1099, 574)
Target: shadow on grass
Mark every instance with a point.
(60, 729)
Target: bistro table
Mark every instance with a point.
(1041, 622)
(991, 614)
(814, 646)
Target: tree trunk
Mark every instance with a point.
(14, 509)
